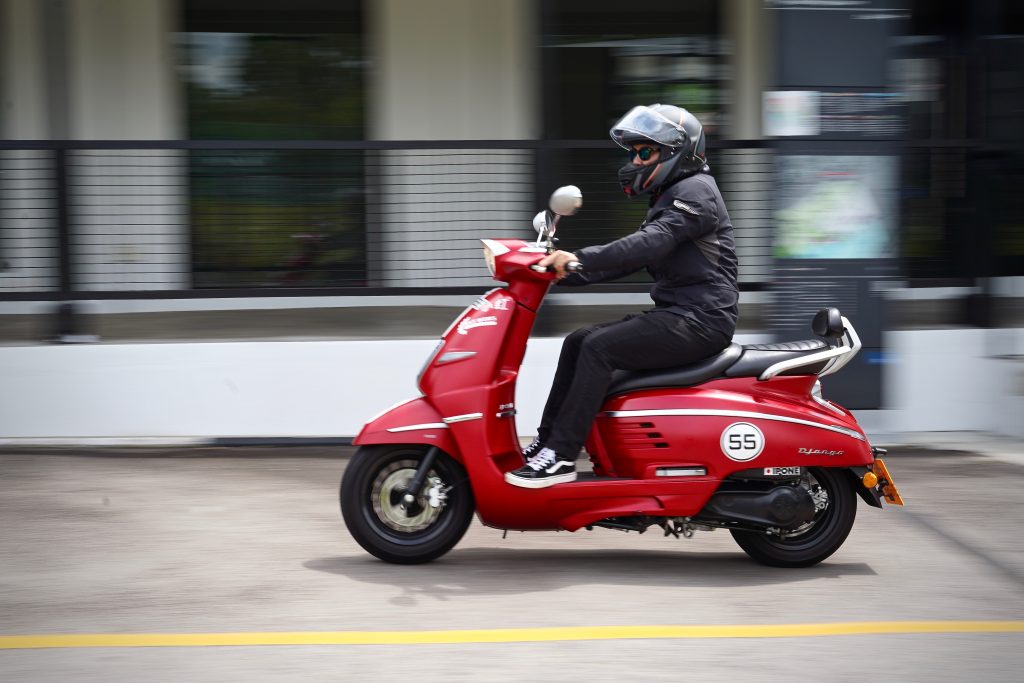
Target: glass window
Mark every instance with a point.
(600, 59)
(276, 72)
(959, 68)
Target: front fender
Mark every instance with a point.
(414, 421)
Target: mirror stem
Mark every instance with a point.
(553, 224)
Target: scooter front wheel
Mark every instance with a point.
(386, 523)
(836, 508)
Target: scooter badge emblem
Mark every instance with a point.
(468, 324)
(742, 441)
(818, 451)
(483, 305)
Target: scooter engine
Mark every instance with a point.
(784, 507)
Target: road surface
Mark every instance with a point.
(241, 555)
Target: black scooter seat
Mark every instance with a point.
(757, 358)
(681, 376)
(735, 361)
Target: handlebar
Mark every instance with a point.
(571, 266)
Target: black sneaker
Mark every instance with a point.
(547, 468)
(533, 449)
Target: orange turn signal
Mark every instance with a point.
(870, 480)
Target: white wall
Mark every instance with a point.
(24, 114)
(449, 70)
(129, 207)
(121, 79)
(169, 392)
(955, 380)
(939, 380)
(27, 213)
(452, 70)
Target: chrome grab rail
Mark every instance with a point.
(838, 356)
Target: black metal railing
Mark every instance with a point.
(164, 219)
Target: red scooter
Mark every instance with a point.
(742, 441)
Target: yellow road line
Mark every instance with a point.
(501, 635)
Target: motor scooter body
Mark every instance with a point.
(654, 452)
(742, 440)
(722, 427)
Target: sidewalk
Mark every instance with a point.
(998, 446)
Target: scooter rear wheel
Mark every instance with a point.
(818, 539)
(372, 491)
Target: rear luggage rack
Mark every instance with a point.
(838, 356)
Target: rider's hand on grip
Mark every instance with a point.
(559, 261)
(571, 266)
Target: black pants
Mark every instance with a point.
(641, 341)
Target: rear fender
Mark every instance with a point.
(414, 421)
(872, 496)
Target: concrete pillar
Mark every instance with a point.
(745, 175)
(28, 239)
(449, 70)
(748, 27)
(129, 208)
(23, 78)
(121, 68)
(453, 70)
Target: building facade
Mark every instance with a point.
(322, 169)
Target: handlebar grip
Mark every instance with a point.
(571, 266)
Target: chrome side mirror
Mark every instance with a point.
(565, 201)
(540, 224)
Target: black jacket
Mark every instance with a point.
(686, 243)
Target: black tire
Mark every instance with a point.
(369, 504)
(821, 537)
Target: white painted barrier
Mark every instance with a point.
(936, 380)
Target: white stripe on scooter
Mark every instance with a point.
(412, 428)
(462, 418)
(689, 412)
(438, 425)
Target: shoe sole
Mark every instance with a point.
(539, 483)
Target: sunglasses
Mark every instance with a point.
(645, 153)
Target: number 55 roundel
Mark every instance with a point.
(742, 441)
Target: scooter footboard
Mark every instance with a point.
(573, 506)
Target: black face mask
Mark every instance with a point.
(636, 180)
(632, 178)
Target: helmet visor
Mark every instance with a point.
(643, 123)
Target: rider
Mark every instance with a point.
(685, 243)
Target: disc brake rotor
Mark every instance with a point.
(387, 499)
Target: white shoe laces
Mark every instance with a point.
(545, 458)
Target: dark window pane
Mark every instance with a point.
(275, 71)
(599, 59)
(278, 218)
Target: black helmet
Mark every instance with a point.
(676, 131)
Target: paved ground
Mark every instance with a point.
(248, 541)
